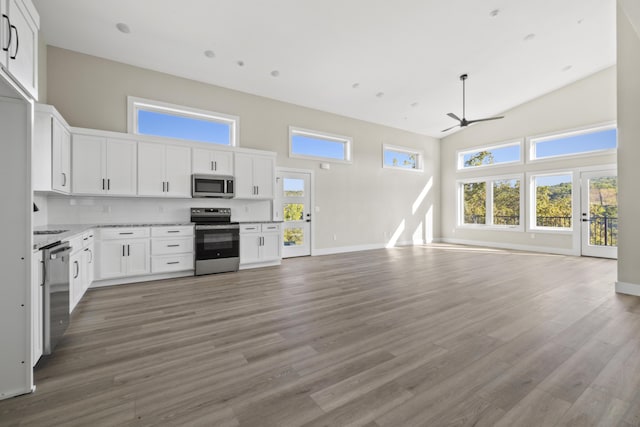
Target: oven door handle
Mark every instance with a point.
(217, 227)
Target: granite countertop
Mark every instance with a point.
(71, 230)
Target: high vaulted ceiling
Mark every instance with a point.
(390, 62)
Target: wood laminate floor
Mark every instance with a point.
(416, 336)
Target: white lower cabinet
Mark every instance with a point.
(81, 266)
(171, 249)
(37, 283)
(123, 252)
(260, 244)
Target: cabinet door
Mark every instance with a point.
(61, 157)
(178, 171)
(249, 248)
(87, 163)
(263, 177)
(244, 177)
(36, 307)
(4, 33)
(271, 246)
(112, 259)
(121, 167)
(138, 260)
(202, 161)
(87, 267)
(222, 162)
(75, 280)
(151, 176)
(22, 59)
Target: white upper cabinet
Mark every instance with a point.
(103, 166)
(254, 176)
(164, 170)
(215, 162)
(19, 43)
(51, 168)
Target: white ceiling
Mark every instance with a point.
(412, 51)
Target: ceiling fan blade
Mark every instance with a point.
(448, 129)
(485, 120)
(453, 116)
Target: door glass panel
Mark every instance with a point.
(293, 187)
(293, 237)
(603, 211)
(293, 211)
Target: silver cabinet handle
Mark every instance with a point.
(77, 273)
(215, 166)
(257, 190)
(17, 41)
(173, 231)
(173, 262)
(103, 184)
(91, 259)
(167, 186)
(173, 246)
(212, 167)
(123, 250)
(128, 232)
(44, 272)
(64, 179)
(6, 48)
(128, 250)
(108, 183)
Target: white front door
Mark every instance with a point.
(294, 190)
(599, 214)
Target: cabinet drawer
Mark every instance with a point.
(87, 238)
(161, 246)
(76, 243)
(270, 227)
(124, 233)
(181, 230)
(164, 264)
(249, 228)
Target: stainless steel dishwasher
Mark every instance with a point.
(56, 294)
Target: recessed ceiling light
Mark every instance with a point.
(567, 68)
(415, 104)
(529, 36)
(494, 13)
(275, 73)
(380, 94)
(123, 28)
(355, 85)
(240, 63)
(209, 54)
(580, 20)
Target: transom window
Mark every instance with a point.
(584, 141)
(402, 158)
(552, 201)
(155, 118)
(492, 155)
(309, 144)
(495, 202)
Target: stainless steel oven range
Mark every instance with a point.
(217, 241)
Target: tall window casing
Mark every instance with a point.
(494, 202)
(147, 117)
(316, 145)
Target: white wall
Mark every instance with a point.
(587, 102)
(628, 146)
(361, 203)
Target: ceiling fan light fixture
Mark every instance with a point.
(463, 121)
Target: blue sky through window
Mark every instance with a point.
(577, 144)
(309, 146)
(172, 126)
(402, 159)
(543, 181)
(510, 153)
(293, 184)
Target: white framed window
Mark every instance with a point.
(493, 202)
(311, 144)
(551, 201)
(147, 117)
(404, 158)
(491, 155)
(587, 141)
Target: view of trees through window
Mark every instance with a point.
(475, 202)
(603, 211)
(506, 202)
(553, 201)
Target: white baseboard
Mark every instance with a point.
(136, 279)
(260, 264)
(628, 288)
(543, 249)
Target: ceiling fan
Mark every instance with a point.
(463, 121)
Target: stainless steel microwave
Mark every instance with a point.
(221, 186)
